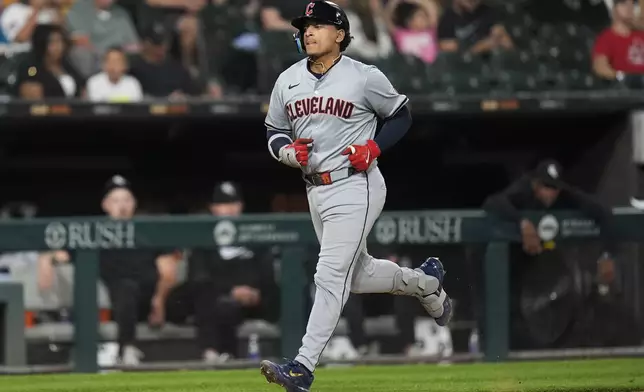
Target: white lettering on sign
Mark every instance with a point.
(90, 235)
(227, 233)
(579, 228)
(419, 230)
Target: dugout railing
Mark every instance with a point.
(293, 233)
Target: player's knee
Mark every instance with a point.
(330, 280)
(327, 281)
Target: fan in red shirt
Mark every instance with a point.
(619, 50)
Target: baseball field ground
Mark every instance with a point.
(579, 376)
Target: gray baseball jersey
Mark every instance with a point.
(339, 109)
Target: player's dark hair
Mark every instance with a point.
(345, 42)
(347, 39)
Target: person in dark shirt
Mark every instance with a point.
(540, 267)
(46, 72)
(470, 25)
(240, 279)
(541, 190)
(138, 281)
(178, 16)
(159, 74)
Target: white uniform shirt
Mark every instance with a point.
(101, 89)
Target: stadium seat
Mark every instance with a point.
(550, 81)
(447, 61)
(9, 62)
(633, 82)
(570, 58)
(398, 63)
(521, 35)
(509, 9)
(411, 83)
(64, 332)
(519, 18)
(44, 304)
(573, 32)
(547, 32)
(26, 272)
(577, 80)
(459, 62)
(513, 81)
(463, 83)
(406, 73)
(566, 35)
(512, 60)
(65, 288)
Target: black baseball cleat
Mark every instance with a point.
(445, 318)
(437, 304)
(292, 376)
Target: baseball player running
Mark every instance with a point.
(322, 119)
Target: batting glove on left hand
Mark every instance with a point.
(296, 154)
(361, 156)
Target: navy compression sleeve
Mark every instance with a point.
(394, 129)
(277, 140)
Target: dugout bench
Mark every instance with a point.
(291, 232)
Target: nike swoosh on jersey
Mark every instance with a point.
(290, 86)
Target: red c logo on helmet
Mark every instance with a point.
(309, 9)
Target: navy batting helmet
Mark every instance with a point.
(326, 12)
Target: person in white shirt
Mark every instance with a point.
(19, 20)
(113, 85)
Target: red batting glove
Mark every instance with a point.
(301, 147)
(361, 156)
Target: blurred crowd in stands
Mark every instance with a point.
(126, 50)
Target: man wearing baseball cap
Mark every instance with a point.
(240, 279)
(544, 189)
(541, 268)
(139, 281)
(159, 74)
(227, 200)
